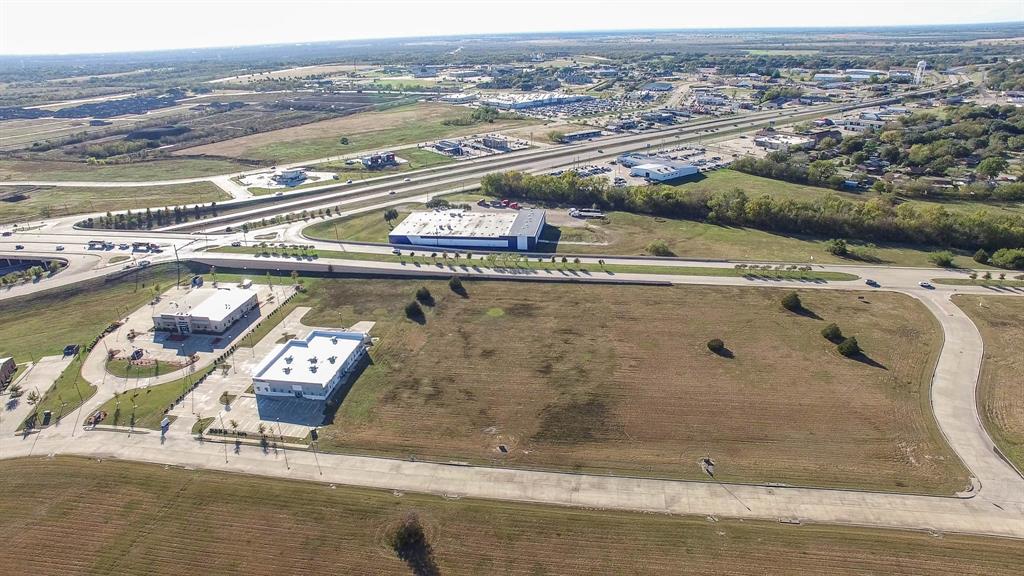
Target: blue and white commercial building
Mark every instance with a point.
(506, 230)
(663, 170)
(310, 367)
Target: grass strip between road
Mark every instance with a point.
(505, 261)
(979, 282)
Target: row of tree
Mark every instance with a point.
(877, 219)
(150, 218)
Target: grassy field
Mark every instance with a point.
(67, 393)
(124, 369)
(630, 234)
(49, 202)
(170, 169)
(365, 131)
(147, 404)
(1001, 391)
(119, 518)
(42, 324)
(618, 379)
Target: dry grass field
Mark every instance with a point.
(365, 131)
(619, 379)
(51, 202)
(69, 516)
(1001, 392)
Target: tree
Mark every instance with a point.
(33, 398)
(423, 295)
(234, 425)
(659, 248)
(832, 333)
(981, 256)
(849, 347)
(390, 215)
(344, 141)
(213, 273)
(942, 259)
(409, 541)
(295, 276)
(716, 345)
(991, 167)
(792, 302)
(262, 428)
(413, 310)
(456, 285)
(837, 247)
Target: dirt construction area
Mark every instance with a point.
(620, 379)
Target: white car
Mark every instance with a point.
(60, 248)
(927, 285)
(236, 244)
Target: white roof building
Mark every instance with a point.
(310, 367)
(509, 230)
(206, 310)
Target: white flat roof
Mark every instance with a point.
(215, 304)
(457, 223)
(309, 360)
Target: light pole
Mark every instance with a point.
(222, 427)
(283, 451)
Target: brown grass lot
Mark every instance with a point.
(618, 379)
(1000, 320)
(369, 130)
(68, 516)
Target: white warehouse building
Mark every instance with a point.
(310, 367)
(506, 230)
(206, 310)
(662, 171)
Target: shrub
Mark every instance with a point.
(1012, 258)
(943, 259)
(456, 285)
(424, 296)
(792, 302)
(659, 248)
(981, 257)
(837, 247)
(409, 542)
(832, 333)
(849, 347)
(716, 345)
(413, 310)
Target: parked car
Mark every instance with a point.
(123, 246)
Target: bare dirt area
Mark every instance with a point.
(1001, 388)
(70, 516)
(619, 379)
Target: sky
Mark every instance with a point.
(82, 26)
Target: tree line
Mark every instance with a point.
(150, 218)
(878, 219)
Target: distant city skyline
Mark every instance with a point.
(80, 26)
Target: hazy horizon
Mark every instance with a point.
(112, 26)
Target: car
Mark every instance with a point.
(8, 233)
(60, 248)
(871, 282)
(123, 246)
(19, 247)
(279, 194)
(391, 191)
(349, 181)
(927, 285)
(407, 180)
(396, 252)
(236, 244)
(144, 263)
(599, 151)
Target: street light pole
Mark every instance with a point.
(283, 451)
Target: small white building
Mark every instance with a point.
(206, 310)
(662, 171)
(310, 367)
(290, 177)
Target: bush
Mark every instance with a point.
(837, 247)
(792, 302)
(424, 296)
(849, 347)
(413, 310)
(832, 333)
(981, 257)
(409, 542)
(1011, 258)
(659, 248)
(456, 285)
(716, 345)
(943, 259)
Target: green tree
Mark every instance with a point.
(942, 259)
(390, 215)
(413, 310)
(832, 333)
(659, 248)
(455, 284)
(849, 347)
(792, 302)
(423, 295)
(992, 166)
(837, 247)
(981, 256)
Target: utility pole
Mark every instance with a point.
(177, 264)
(222, 427)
